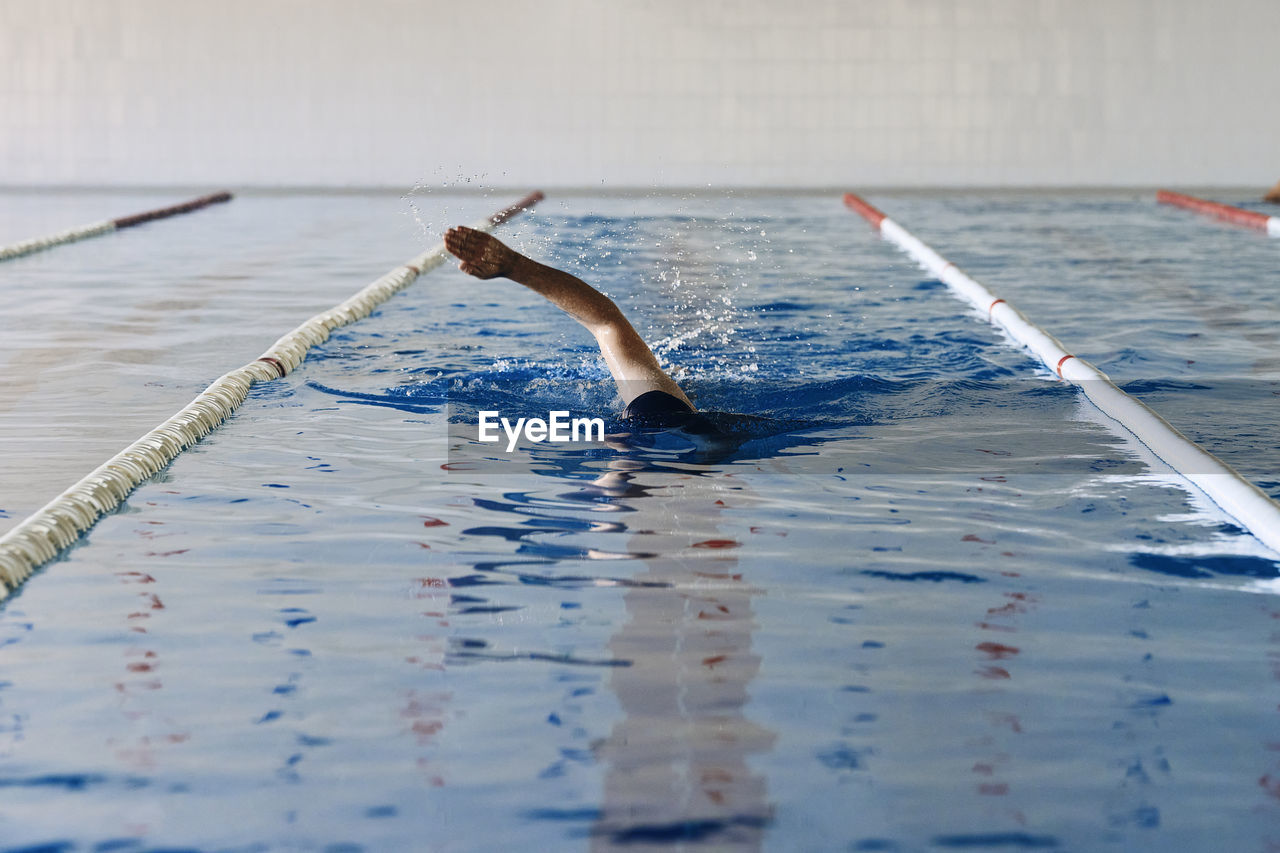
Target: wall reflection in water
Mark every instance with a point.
(677, 764)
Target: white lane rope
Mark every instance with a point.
(106, 226)
(1251, 508)
(50, 530)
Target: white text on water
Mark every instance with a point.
(558, 427)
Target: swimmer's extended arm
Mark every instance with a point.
(632, 363)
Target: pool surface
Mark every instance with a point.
(927, 599)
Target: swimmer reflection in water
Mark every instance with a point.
(652, 398)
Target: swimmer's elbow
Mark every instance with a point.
(607, 324)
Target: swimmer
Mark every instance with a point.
(652, 398)
(1274, 194)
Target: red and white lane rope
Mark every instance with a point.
(57, 525)
(1222, 484)
(84, 232)
(1225, 212)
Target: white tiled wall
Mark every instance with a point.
(639, 92)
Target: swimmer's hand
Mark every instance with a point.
(481, 254)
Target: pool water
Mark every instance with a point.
(929, 599)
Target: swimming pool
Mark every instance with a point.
(935, 602)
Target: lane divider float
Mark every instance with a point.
(106, 226)
(1225, 212)
(56, 526)
(1222, 484)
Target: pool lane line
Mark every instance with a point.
(1248, 505)
(106, 226)
(56, 526)
(1225, 212)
